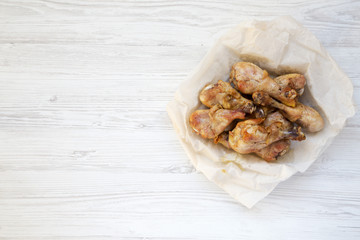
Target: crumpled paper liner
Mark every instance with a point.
(280, 46)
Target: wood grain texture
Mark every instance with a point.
(87, 150)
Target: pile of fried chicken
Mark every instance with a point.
(255, 113)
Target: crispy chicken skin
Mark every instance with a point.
(209, 123)
(249, 78)
(255, 134)
(224, 94)
(307, 117)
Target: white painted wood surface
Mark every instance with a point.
(87, 150)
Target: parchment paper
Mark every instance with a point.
(280, 46)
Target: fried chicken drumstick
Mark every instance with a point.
(224, 94)
(307, 117)
(209, 123)
(255, 134)
(269, 153)
(249, 78)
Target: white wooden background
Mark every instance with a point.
(87, 150)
